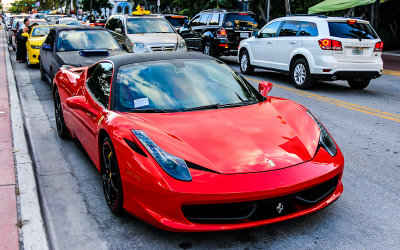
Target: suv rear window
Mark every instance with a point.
(240, 20)
(177, 21)
(356, 30)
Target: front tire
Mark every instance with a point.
(42, 74)
(112, 185)
(300, 74)
(62, 129)
(245, 66)
(28, 63)
(359, 83)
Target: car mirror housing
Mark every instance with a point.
(254, 33)
(186, 25)
(80, 103)
(264, 88)
(46, 47)
(118, 30)
(25, 35)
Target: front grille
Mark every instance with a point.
(163, 48)
(241, 212)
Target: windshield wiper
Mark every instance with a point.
(237, 104)
(211, 106)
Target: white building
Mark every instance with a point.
(122, 7)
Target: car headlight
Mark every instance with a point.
(325, 140)
(139, 47)
(35, 47)
(182, 44)
(172, 165)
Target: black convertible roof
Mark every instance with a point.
(130, 58)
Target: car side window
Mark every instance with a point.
(120, 25)
(99, 82)
(214, 19)
(203, 19)
(271, 30)
(195, 21)
(308, 29)
(50, 38)
(289, 28)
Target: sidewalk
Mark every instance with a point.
(8, 204)
(391, 63)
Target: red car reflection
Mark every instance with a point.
(186, 144)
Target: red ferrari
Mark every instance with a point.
(186, 144)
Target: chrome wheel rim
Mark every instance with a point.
(300, 74)
(109, 177)
(244, 62)
(206, 50)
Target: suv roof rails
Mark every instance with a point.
(314, 15)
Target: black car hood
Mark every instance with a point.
(74, 58)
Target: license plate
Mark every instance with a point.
(358, 51)
(244, 35)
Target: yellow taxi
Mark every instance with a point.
(35, 39)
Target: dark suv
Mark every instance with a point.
(218, 32)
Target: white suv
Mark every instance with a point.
(315, 47)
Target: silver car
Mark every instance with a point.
(147, 33)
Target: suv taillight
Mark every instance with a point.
(329, 44)
(378, 47)
(221, 33)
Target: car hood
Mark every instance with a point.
(154, 38)
(267, 136)
(37, 40)
(73, 58)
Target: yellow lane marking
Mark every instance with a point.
(391, 72)
(348, 105)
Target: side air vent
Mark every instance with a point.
(135, 147)
(198, 167)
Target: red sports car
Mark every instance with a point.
(186, 144)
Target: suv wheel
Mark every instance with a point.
(359, 83)
(208, 50)
(245, 66)
(300, 74)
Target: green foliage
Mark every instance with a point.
(96, 4)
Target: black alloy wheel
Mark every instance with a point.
(62, 129)
(208, 50)
(300, 74)
(359, 83)
(110, 175)
(42, 74)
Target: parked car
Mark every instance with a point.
(35, 39)
(39, 22)
(147, 33)
(52, 18)
(98, 22)
(218, 32)
(12, 32)
(178, 21)
(181, 142)
(68, 21)
(75, 46)
(310, 48)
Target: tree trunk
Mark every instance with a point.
(287, 7)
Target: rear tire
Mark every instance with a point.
(300, 74)
(62, 129)
(359, 83)
(244, 62)
(112, 185)
(209, 50)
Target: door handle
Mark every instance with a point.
(292, 42)
(269, 42)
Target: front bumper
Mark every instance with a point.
(163, 205)
(34, 55)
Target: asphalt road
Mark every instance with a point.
(365, 124)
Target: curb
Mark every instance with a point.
(33, 228)
(391, 72)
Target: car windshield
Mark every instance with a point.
(40, 23)
(177, 21)
(356, 30)
(241, 20)
(148, 25)
(181, 85)
(86, 40)
(53, 18)
(68, 22)
(40, 31)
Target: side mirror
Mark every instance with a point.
(25, 35)
(118, 30)
(254, 33)
(79, 102)
(186, 25)
(264, 88)
(46, 47)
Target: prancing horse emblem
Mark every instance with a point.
(279, 208)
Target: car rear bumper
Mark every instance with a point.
(348, 75)
(273, 195)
